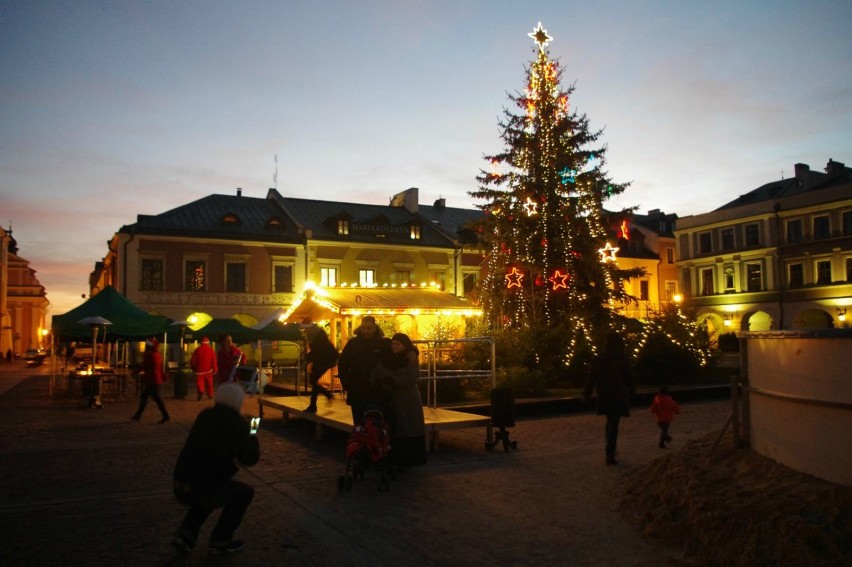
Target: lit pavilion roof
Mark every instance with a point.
(353, 301)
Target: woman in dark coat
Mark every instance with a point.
(611, 377)
(399, 369)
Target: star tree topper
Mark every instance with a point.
(539, 35)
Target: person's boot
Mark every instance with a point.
(312, 408)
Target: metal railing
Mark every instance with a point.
(436, 352)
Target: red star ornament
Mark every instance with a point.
(558, 280)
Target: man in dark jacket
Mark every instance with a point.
(321, 356)
(204, 470)
(357, 361)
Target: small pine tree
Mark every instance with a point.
(672, 348)
(551, 269)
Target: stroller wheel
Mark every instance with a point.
(348, 483)
(341, 483)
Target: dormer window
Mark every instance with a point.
(343, 227)
(230, 218)
(415, 232)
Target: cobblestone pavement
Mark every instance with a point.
(89, 487)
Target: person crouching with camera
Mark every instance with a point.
(204, 470)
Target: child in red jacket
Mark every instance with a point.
(665, 409)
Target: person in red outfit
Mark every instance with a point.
(227, 358)
(204, 364)
(152, 365)
(665, 408)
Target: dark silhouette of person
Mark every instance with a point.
(399, 370)
(357, 361)
(321, 356)
(203, 475)
(152, 365)
(612, 379)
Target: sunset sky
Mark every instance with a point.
(113, 109)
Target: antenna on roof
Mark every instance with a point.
(275, 175)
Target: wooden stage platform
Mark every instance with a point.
(335, 413)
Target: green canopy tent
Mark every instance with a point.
(240, 334)
(127, 320)
(279, 331)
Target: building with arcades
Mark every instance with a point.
(777, 257)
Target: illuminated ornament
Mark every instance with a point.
(624, 230)
(558, 280)
(608, 252)
(539, 281)
(568, 175)
(513, 278)
(531, 207)
(544, 242)
(539, 35)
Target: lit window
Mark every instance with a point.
(328, 277)
(366, 277)
(343, 227)
(439, 278)
(415, 232)
(402, 277)
(195, 275)
(671, 290)
(729, 279)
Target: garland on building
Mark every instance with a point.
(552, 266)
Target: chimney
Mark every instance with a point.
(441, 203)
(653, 212)
(802, 170)
(406, 199)
(834, 168)
(239, 191)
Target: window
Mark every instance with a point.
(402, 277)
(707, 281)
(729, 279)
(823, 272)
(847, 223)
(415, 232)
(794, 231)
(669, 255)
(152, 275)
(343, 227)
(795, 276)
(438, 277)
(705, 243)
(727, 238)
(328, 277)
(196, 279)
(671, 290)
(283, 279)
(469, 283)
(849, 270)
(821, 227)
(367, 277)
(754, 277)
(643, 290)
(752, 235)
(235, 277)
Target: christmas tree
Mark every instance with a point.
(552, 271)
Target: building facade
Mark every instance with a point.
(778, 257)
(23, 301)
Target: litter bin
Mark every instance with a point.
(180, 379)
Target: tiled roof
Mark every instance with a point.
(253, 219)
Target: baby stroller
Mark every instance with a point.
(368, 448)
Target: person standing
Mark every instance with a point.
(399, 368)
(357, 361)
(203, 474)
(611, 377)
(228, 357)
(321, 356)
(664, 408)
(204, 364)
(152, 366)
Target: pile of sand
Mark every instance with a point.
(735, 507)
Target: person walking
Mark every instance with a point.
(203, 474)
(357, 361)
(610, 376)
(321, 356)
(152, 366)
(399, 368)
(664, 408)
(204, 364)
(228, 357)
